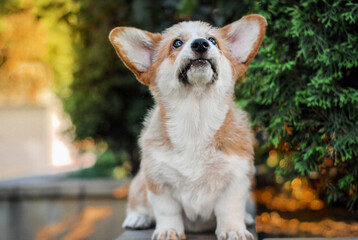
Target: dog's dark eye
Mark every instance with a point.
(213, 41)
(177, 43)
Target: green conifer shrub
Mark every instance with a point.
(303, 88)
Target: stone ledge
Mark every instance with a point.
(59, 185)
(146, 235)
(337, 238)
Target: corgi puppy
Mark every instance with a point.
(196, 147)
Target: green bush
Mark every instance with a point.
(109, 164)
(302, 87)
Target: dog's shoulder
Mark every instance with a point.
(235, 135)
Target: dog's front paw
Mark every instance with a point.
(137, 221)
(168, 234)
(226, 234)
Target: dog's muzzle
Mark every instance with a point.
(198, 62)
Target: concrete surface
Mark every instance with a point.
(338, 238)
(57, 207)
(146, 235)
(59, 185)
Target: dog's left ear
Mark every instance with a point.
(245, 37)
(136, 48)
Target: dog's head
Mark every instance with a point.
(190, 54)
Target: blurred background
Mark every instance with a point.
(71, 113)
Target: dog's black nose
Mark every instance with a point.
(200, 45)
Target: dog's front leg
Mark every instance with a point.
(230, 212)
(168, 216)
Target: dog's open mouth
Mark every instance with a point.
(199, 62)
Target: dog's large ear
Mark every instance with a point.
(245, 37)
(136, 48)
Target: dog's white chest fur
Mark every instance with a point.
(194, 183)
(195, 170)
(193, 123)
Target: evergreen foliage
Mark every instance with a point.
(302, 87)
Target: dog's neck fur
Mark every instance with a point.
(191, 121)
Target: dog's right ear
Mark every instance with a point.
(245, 37)
(136, 48)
